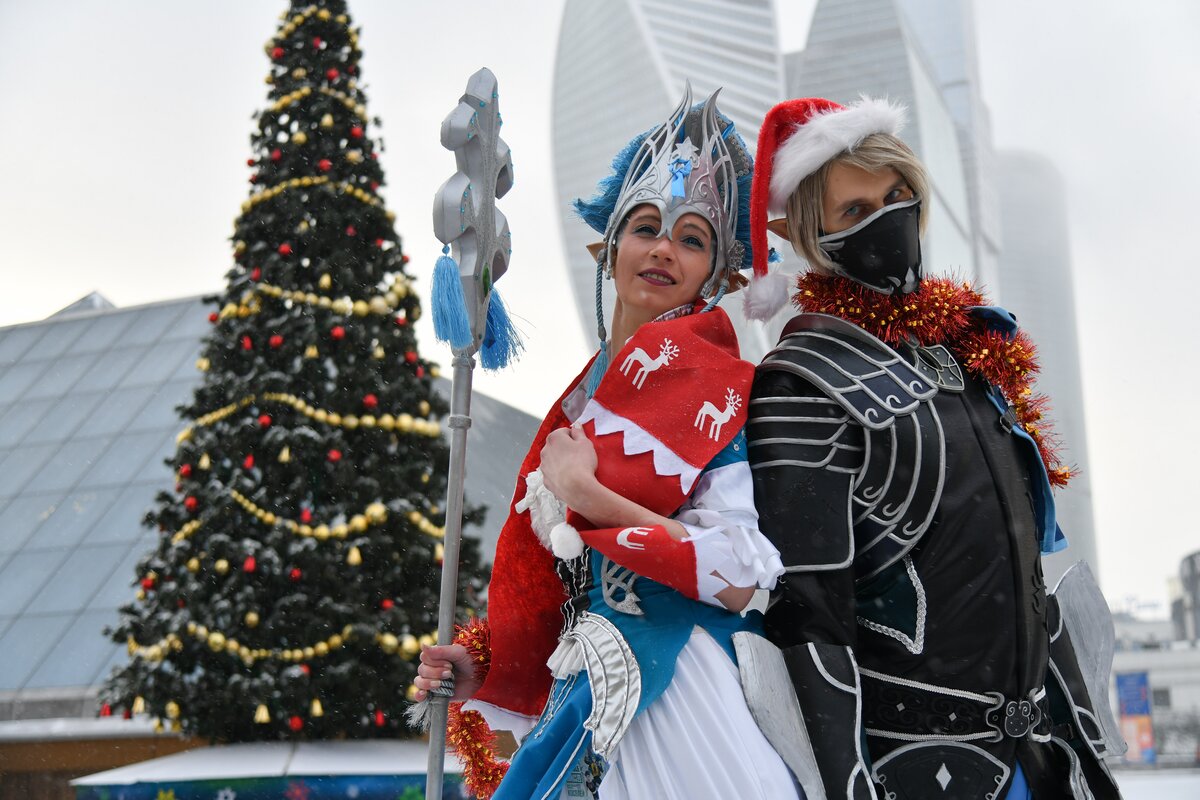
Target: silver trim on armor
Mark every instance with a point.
(908, 748)
(916, 643)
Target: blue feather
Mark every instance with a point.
(450, 322)
(501, 341)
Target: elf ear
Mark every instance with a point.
(779, 227)
(594, 248)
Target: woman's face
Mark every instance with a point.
(852, 194)
(654, 273)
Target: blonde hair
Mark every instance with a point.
(876, 152)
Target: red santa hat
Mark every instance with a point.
(797, 138)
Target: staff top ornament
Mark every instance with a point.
(467, 312)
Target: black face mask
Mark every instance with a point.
(883, 252)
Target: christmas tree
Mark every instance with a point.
(298, 567)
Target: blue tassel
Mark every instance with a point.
(450, 322)
(501, 342)
(596, 373)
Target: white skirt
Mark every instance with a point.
(698, 740)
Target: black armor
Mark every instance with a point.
(902, 505)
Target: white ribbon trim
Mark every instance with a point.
(638, 440)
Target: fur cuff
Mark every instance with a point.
(566, 542)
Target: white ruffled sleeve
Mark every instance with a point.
(722, 524)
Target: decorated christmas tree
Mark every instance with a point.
(298, 565)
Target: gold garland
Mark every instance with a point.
(407, 646)
(297, 95)
(374, 514)
(382, 304)
(402, 423)
(312, 180)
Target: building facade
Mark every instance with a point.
(620, 67)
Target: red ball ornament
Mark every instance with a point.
(247, 343)
(276, 154)
(277, 53)
(370, 401)
(180, 603)
(295, 723)
(249, 565)
(275, 341)
(380, 719)
(106, 710)
(351, 230)
(316, 41)
(285, 249)
(338, 333)
(256, 274)
(351, 69)
(401, 321)
(334, 456)
(404, 259)
(324, 165)
(410, 357)
(420, 372)
(185, 470)
(379, 242)
(356, 132)
(127, 714)
(306, 669)
(213, 317)
(190, 503)
(148, 583)
(254, 177)
(295, 575)
(386, 603)
(332, 73)
(264, 420)
(250, 162)
(248, 461)
(374, 186)
(306, 515)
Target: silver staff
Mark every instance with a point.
(469, 316)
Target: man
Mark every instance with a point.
(903, 469)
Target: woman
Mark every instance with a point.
(620, 576)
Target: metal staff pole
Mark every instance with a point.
(465, 217)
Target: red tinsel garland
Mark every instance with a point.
(466, 731)
(938, 313)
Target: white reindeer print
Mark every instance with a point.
(666, 352)
(733, 401)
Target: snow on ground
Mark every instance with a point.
(1164, 785)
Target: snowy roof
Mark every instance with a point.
(275, 759)
(87, 415)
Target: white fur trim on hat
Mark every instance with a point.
(825, 135)
(765, 296)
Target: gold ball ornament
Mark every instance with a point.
(299, 137)
(311, 351)
(324, 281)
(193, 565)
(221, 566)
(172, 709)
(327, 121)
(251, 619)
(354, 557)
(216, 641)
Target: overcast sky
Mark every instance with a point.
(124, 135)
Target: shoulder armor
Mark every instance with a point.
(858, 408)
(850, 366)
